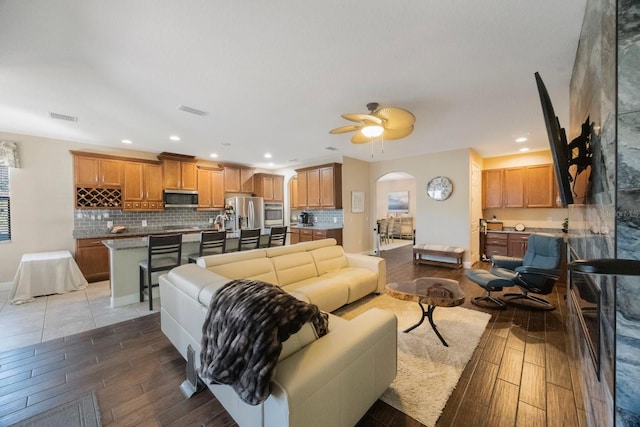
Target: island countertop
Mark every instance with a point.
(141, 241)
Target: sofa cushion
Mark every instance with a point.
(329, 258)
(213, 260)
(253, 269)
(294, 267)
(328, 293)
(361, 282)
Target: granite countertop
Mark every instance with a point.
(139, 231)
(141, 241)
(318, 226)
(527, 230)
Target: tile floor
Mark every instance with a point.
(56, 316)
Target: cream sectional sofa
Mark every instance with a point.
(332, 380)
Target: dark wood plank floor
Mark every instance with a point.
(518, 376)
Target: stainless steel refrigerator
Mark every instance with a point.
(246, 212)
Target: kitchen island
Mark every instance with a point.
(126, 253)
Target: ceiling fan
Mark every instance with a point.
(390, 122)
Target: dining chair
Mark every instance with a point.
(211, 243)
(382, 231)
(390, 228)
(249, 239)
(164, 253)
(278, 236)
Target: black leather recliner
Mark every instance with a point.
(536, 273)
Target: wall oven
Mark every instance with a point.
(273, 214)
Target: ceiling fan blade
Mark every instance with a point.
(354, 117)
(359, 138)
(395, 118)
(397, 133)
(345, 129)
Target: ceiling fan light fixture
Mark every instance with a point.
(372, 131)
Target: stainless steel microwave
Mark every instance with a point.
(180, 199)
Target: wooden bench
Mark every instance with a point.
(440, 255)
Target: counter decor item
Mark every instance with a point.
(519, 227)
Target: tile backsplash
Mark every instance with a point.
(92, 221)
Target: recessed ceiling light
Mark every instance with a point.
(267, 155)
(521, 139)
(174, 138)
(226, 144)
(127, 141)
(524, 149)
(214, 155)
(271, 164)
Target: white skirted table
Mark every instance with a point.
(45, 273)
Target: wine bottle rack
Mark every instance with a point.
(98, 198)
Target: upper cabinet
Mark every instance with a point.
(320, 187)
(142, 186)
(238, 179)
(96, 172)
(210, 188)
(179, 172)
(269, 186)
(520, 187)
(97, 181)
(293, 193)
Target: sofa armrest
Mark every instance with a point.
(375, 264)
(338, 376)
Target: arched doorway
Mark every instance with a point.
(396, 207)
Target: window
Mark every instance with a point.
(5, 216)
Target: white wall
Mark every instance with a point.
(445, 222)
(385, 187)
(42, 198)
(357, 232)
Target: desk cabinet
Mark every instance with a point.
(299, 234)
(506, 244)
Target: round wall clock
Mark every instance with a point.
(439, 188)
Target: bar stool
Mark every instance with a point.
(211, 242)
(164, 253)
(278, 236)
(249, 239)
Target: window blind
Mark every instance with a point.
(5, 213)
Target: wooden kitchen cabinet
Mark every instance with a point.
(97, 172)
(492, 188)
(335, 233)
(300, 234)
(92, 258)
(179, 175)
(269, 186)
(496, 244)
(210, 188)
(520, 187)
(506, 244)
(143, 186)
(517, 244)
(238, 179)
(540, 186)
(320, 186)
(306, 234)
(293, 193)
(513, 189)
(294, 235)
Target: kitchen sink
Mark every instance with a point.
(178, 227)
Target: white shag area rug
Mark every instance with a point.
(427, 370)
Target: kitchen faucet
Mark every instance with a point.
(220, 220)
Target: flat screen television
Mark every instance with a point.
(557, 143)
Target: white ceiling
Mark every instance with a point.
(275, 76)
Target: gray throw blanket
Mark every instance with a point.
(243, 332)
